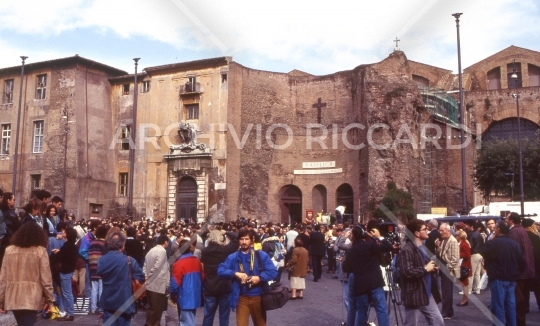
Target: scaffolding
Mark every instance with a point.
(426, 202)
(442, 106)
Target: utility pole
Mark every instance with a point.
(129, 210)
(17, 132)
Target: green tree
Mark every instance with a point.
(399, 202)
(498, 160)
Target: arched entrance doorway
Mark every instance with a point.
(291, 204)
(318, 199)
(186, 199)
(344, 197)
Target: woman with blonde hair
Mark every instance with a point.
(465, 256)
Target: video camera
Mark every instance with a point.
(388, 230)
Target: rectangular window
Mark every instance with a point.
(38, 136)
(8, 91)
(6, 137)
(125, 135)
(41, 87)
(192, 111)
(123, 184)
(35, 180)
(223, 78)
(125, 89)
(96, 209)
(145, 86)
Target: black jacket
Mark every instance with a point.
(503, 259)
(430, 242)
(67, 257)
(211, 257)
(317, 244)
(364, 261)
(134, 248)
(12, 223)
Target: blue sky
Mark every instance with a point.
(319, 37)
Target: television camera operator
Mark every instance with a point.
(365, 279)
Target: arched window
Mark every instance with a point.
(494, 78)
(420, 81)
(318, 199)
(507, 129)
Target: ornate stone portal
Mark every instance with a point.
(188, 135)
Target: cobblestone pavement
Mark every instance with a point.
(322, 305)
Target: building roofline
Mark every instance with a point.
(74, 59)
(196, 64)
(425, 64)
(497, 53)
(128, 76)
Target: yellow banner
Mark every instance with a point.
(439, 210)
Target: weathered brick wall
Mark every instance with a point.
(393, 100)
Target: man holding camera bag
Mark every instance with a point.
(249, 269)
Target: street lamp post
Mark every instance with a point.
(129, 210)
(15, 156)
(516, 96)
(464, 211)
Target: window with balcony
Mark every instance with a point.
(8, 91)
(38, 136)
(6, 138)
(41, 87)
(123, 184)
(192, 111)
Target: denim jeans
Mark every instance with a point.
(503, 302)
(122, 320)
(87, 285)
(187, 317)
(359, 306)
(345, 287)
(58, 297)
(67, 293)
(96, 294)
(211, 304)
(431, 313)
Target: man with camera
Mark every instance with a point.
(365, 279)
(249, 269)
(418, 279)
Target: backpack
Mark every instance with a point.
(274, 296)
(278, 255)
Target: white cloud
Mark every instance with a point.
(318, 36)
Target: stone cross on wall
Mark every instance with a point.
(396, 48)
(319, 107)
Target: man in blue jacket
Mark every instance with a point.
(504, 264)
(114, 268)
(250, 270)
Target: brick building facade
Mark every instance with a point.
(215, 138)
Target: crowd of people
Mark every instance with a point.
(55, 259)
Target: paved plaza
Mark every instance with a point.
(321, 305)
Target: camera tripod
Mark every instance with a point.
(393, 297)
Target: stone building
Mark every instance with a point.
(65, 126)
(215, 138)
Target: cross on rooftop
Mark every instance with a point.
(319, 107)
(396, 48)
